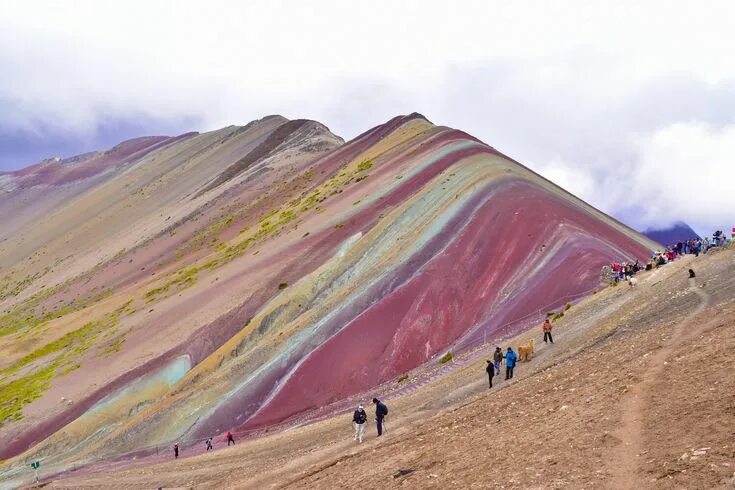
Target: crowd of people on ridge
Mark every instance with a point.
(693, 246)
(622, 271)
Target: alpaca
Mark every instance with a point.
(525, 352)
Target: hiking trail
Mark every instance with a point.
(625, 458)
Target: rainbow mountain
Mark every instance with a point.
(174, 288)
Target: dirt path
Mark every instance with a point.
(624, 459)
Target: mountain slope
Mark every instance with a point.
(240, 278)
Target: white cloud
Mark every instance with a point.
(578, 87)
(686, 171)
(575, 180)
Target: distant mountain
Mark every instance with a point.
(677, 232)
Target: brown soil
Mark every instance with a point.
(638, 391)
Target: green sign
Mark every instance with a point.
(35, 465)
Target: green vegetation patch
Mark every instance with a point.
(22, 391)
(113, 345)
(27, 316)
(9, 287)
(446, 358)
(270, 224)
(62, 356)
(183, 279)
(364, 165)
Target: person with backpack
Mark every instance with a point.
(359, 418)
(208, 442)
(380, 412)
(510, 362)
(498, 359)
(230, 439)
(490, 372)
(547, 331)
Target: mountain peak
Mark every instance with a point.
(676, 232)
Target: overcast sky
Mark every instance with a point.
(630, 105)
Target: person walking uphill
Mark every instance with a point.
(498, 359)
(230, 439)
(510, 362)
(380, 412)
(359, 418)
(547, 331)
(490, 372)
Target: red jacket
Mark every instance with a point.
(547, 326)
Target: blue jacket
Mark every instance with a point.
(510, 358)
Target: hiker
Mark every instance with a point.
(209, 444)
(380, 412)
(547, 331)
(510, 362)
(359, 418)
(490, 372)
(176, 451)
(230, 439)
(498, 359)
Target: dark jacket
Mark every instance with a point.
(490, 369)
(359, 417)
(498, 355)
(380, 410)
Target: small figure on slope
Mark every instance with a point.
(380, 412)
(510, 362)
(490, 372)
(359, 419)
(547, 331)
